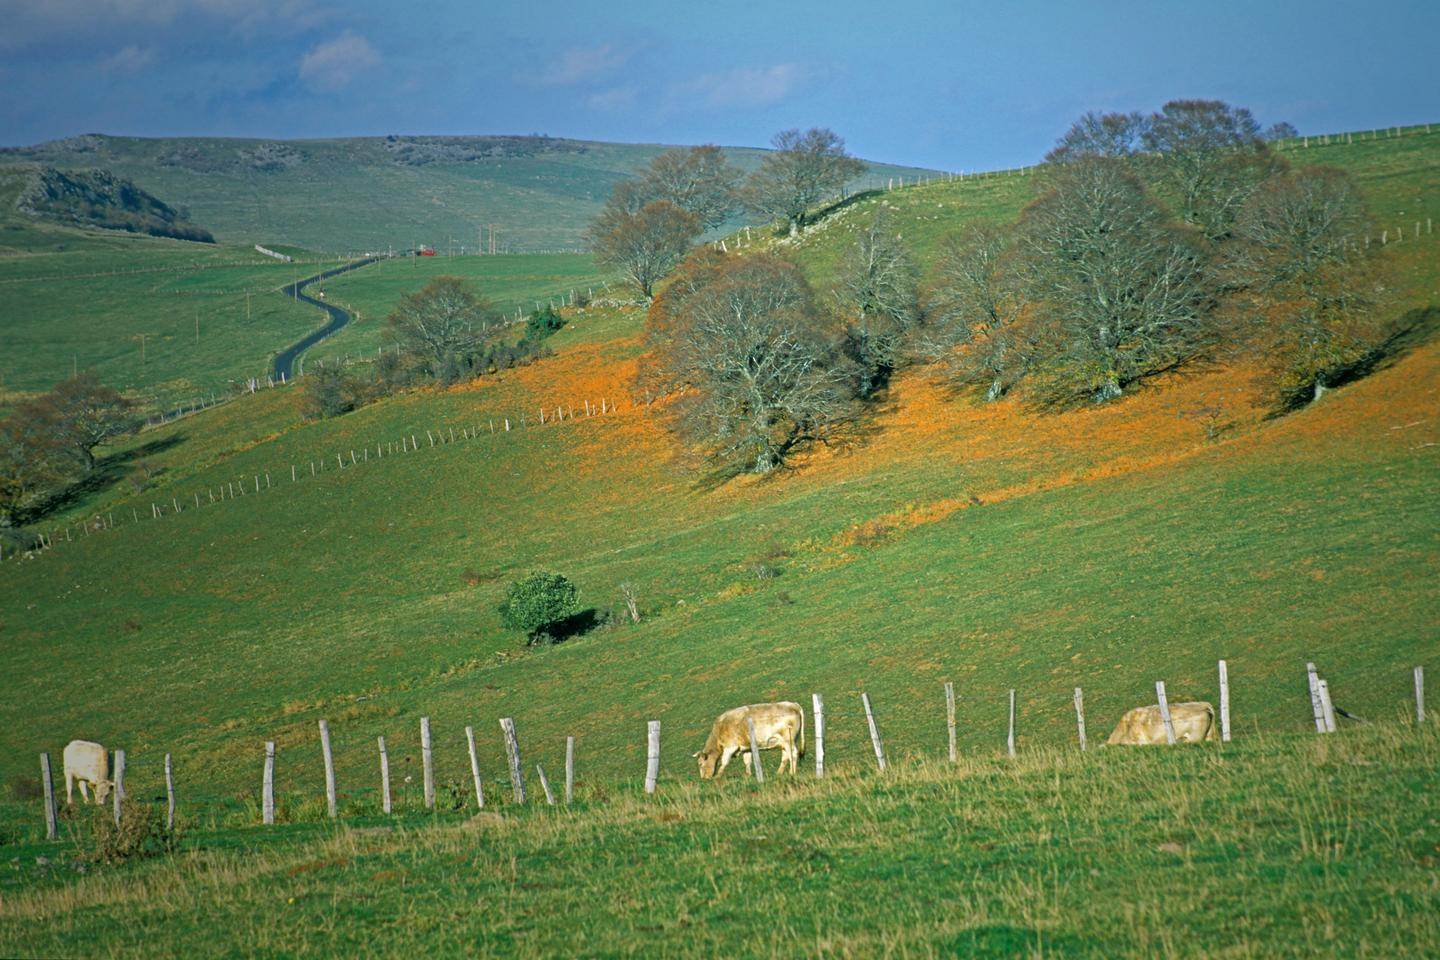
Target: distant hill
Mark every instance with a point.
(98, 198)
(375, 192)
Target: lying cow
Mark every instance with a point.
(1192, 721)
(88, 763)
(776, 725)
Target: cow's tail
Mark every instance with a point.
(800, 747)
(1212, 734)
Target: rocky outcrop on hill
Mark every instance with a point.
(98, 198)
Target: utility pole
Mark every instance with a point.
(197, 325)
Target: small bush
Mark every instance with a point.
(141, 833)
(542, 323)
(537, 604)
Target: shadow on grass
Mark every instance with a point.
(1410, 330)
(577, 624)
(108, 472)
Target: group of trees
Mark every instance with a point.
(50, 440)
(442, 333)
(1157, 241)
(647, 226)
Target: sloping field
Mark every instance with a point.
(992, 547)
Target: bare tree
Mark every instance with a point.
(976, 309)
(1118, 293)
(698, 180)
(647, 244)
(803, 169)
(85, 413)
(444, 323)
(1301, 270)
(1284, 130)
(32, 458)
(1196, 140)
(879, 290)
(1100, 135)
(768, 378)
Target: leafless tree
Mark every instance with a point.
(1284, 130)
(85, 413)
(1302, 271)
(803, 169)
(698, 180)
(976, 308)
(767, 376)
(647, 244)
(1196, 142)
(32, 458)
(1118, 294)
(879, 291)
(1100, 135)
(444, 323)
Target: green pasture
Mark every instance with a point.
(510, 283)
(1273, 845)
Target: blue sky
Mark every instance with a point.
(957, 86)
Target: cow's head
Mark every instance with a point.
(102, 790)
(708, 761)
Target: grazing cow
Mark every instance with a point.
(1192, 721)
(87, 762)
(776, 725)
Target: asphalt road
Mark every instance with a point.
(284, 365)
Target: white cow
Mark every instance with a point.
(88, 763)
(776, 725)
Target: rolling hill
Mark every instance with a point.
(376, 193)
(349, 570)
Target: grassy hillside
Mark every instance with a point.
(993, 547)
(370, 193)
(1274, 846)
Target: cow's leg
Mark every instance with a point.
(84, 789)
(725, 756)
(745, 755)
(69, 788)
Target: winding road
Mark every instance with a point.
(284, 363)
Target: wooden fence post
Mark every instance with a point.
(427, 761)
(512, 750)
(169, 795)
(1080, 717)
(475, 768)
(1010, 737)
(950, 718)
(267, 788)
(652, 755)
(384, 775)
(1419, 695)
(569, 769)
(48, 785)
(874, 732)
(1165, 712)
(1326, 708)
(818, 704)
(1316, 710)
(755, 768)
(1224, 703)
(119, 793)
(545, 785)
(329, 769)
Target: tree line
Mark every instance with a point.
(1156, 242)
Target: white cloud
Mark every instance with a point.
(746, 86)
(128, 59)
(332, 65)
(583, 63)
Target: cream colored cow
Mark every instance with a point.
(88, 763)
(1193, 721)
(776, 725)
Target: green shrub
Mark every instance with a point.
(542, 323)
(141, 833)
(537, 604)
